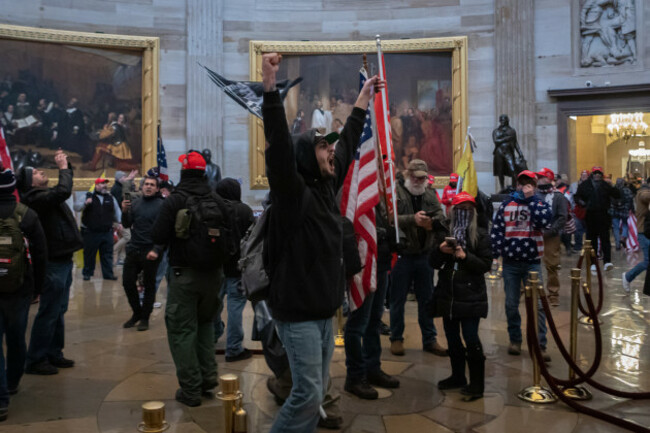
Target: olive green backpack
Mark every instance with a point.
(13, 257)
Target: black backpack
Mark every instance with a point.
(209, 225)
(13, 253)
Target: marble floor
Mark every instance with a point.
(117, 370)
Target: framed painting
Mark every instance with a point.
(93, 95)
(427, 92)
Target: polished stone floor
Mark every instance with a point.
(117, 370)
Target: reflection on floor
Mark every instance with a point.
(119, 369)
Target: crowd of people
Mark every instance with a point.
(190, 233)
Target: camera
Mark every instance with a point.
(127, 196)
(451, 242)
(588, 83)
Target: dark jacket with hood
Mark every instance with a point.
(59, 224)
(193, 183)
(596, 195)
(230, 189)
(304, 245)
(461, 291)
(33, 231)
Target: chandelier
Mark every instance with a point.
(626, 125)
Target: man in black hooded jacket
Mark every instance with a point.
(45, 354)
(305, 244)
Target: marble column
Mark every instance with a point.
(204, 98)
(515, 70)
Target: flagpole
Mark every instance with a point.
(459, 185)
(389, 146)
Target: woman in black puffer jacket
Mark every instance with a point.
(460, 297)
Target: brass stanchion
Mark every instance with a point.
(535, 393)
(588, 253)
(153, 418)
(232, 398)
(575, 392)
(339, 340)
(494, 270)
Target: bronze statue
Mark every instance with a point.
(505, 146)
(212, 170)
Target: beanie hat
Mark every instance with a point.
(25, 178)
(192, 161)
(7, 182)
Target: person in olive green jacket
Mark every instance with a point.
(417, 208)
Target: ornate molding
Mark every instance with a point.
(77, 38)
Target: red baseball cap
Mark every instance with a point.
(527, 173)
(547, 173)
(598, 168)
(462, 197)
(432, 179)
(192, 161)
(453, 177)
(585, 172)
(101, 180)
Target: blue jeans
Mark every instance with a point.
(644, 245)
(411, 269)
(236, 304)
(364, 324)
(309, 347)
(515, 275)
(619, 232)
(94, 241)
(162, 269)
(48, 331)
(579, 234)
(14, 310)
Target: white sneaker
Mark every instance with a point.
(626, 284)
(157, 304)
(609, 266)
(593, 269)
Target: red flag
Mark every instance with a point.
(359, 197)
(5, 157)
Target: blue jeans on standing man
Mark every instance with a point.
(644, 245)
(102, 242)
(619, 227)
(362, 331)
(235, 308)
(48, 331)
(309, 347)
(515, 274)
(412, 268)
(579, 234)
(14, 310)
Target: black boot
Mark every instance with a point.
(457, 378)
(476, 365)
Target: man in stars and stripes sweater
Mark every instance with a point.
(517, 236)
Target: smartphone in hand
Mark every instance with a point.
(451, 241)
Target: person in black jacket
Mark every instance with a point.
(141, 253)
(14, 304)
(305, 241)
(596, 194)
(230, 189)
(45, 354)
(461, 296)
(193, 289)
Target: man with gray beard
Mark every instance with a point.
(417, 207)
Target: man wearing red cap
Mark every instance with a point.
(449, 192)
(189, 224)
(596, 193)
(98, 214)
(552, 241)
(517, 236)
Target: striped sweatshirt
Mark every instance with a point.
(517, 229)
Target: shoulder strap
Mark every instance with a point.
(20, 212)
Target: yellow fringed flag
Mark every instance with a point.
(468, 181)
(92, 187)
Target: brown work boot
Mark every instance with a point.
(435, 348)
(397, 347)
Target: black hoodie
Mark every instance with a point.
(193, 182)
(304, 245)
(230, 189)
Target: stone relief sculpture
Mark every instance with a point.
(607, 32)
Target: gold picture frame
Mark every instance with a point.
(148, 48)
(456, 45)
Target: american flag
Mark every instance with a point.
(5, 157)
(162, 158)
(359, 198)
(632, 241)
(386, 185)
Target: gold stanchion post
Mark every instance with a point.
(232, 398)
(589, 254)
(536, 393)
(153, 418)
(339, 340)
(575, 392)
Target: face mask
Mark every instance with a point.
(452, 184)
(545, 188)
